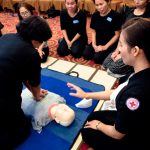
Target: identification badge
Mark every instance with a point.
(75, 21)
(109, 19)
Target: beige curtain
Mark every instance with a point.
(44, 5)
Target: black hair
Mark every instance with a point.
(137, 33)
(27, 6)
(105, 0)
(74, 0)
(34, 28)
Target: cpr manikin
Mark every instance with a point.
(52, 107)
(62, 114)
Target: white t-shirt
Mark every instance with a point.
(111, 104)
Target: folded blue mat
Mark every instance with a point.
(55, 136)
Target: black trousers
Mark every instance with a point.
(98, 57)
(98, 140)
(46, 54)
(76, 49)
(14, 131)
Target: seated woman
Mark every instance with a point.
(25, 10)
(73, 26)
(51, 107)
(125, 127)
(105, 25)
(113, 63)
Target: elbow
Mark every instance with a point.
(118, 137)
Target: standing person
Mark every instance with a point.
(73, 26)
(105, 25)
(19, 63)
(114, 63)
(124, 128)
(25, 10)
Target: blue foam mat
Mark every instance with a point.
(55, 136)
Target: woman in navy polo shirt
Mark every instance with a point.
(125, 127)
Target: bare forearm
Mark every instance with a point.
(75, 37)
(93, 38)
(36, 91)
(65, 35)
(26, 83)
(104, 95)
(110, 131)
(113, 39)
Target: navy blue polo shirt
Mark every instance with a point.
(133, 107)
(19, 61)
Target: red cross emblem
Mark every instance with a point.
(132, 103)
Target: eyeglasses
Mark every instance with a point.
(26, 13)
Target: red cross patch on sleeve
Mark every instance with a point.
(132, 103)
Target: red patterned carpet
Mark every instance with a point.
(10, 22)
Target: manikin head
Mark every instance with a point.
(62, 114)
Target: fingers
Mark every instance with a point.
(44, 92)
(92, 124)
(87, 125)
(71, 86)
(72, 94)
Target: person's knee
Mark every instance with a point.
(76, 54)
(62, 51)
(87, 54)
(84, 133)
(77, 49)
(45, 55)
(97, 59)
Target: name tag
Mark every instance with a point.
(109, 19)
(75, 21)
